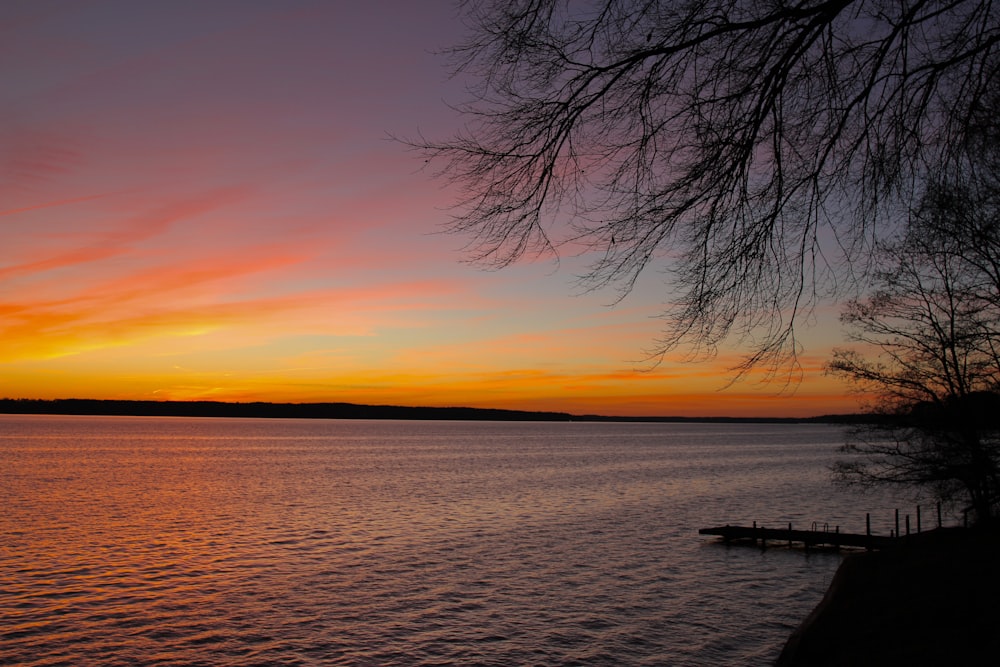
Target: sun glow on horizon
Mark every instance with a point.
(200, 203)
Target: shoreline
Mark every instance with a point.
(341, 410)
(934, 601)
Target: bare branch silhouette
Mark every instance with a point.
(926, 348)
(752, 149)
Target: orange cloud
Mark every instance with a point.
(172, 301)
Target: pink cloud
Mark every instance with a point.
(119, 241)
(53, 204)
(32, 157)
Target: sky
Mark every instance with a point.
(203, 201)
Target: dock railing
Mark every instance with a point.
(826, 538)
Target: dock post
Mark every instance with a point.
(837, 539)
(897, 523)
(918, 518)
(755, 532)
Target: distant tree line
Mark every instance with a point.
(260, 409)
(78, 406)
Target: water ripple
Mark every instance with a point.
(230, 542)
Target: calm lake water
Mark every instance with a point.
(175, 541)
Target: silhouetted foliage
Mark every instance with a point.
(719, 139)
(930, 353)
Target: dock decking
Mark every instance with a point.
(809, 538)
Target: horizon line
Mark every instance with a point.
(341, 410)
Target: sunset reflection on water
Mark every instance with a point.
(234, 542)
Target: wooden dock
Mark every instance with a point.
(826, 538)
(809, 538)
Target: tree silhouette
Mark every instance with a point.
(929, 353)
(752, 148)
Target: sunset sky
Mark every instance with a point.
(200, 200)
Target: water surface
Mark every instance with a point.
(295, 542)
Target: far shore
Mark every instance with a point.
(266, 410)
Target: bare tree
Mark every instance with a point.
(929, 354)
(749, 147)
